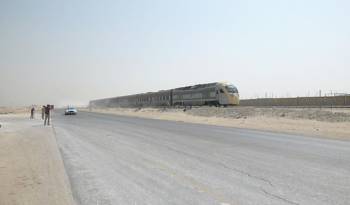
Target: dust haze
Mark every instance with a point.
(71, 52)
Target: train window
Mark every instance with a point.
(221, 91)
(197, 95)
(186, 96)
(231, 89)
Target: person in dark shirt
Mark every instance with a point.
(47, 115)
(32, 113)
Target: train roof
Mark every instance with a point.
(197, 86)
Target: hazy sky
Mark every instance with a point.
(67, 52)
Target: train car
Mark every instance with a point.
(217, 94)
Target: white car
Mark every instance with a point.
(71, 111)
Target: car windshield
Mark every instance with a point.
(231, 89)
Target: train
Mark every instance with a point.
(210, 94)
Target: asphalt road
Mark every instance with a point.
(124, 160)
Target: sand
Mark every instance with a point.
(31, 168)
(308, 122)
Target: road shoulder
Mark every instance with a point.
(31, 167)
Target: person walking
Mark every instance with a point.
(32, 113)
(47, 115)
(43, 112)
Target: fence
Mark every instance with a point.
(329, 101)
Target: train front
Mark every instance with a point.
(232, 94)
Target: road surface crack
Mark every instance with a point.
(278, 197)
(249, 175)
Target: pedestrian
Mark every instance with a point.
(43, 112)
(32, 113)
(47, 115)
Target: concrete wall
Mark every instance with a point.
(299, 101)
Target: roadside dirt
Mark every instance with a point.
(14, 110)
(326, 123)
(31, 168)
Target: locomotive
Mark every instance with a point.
(212, 94)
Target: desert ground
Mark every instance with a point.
(331, 123)
(31, 168)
